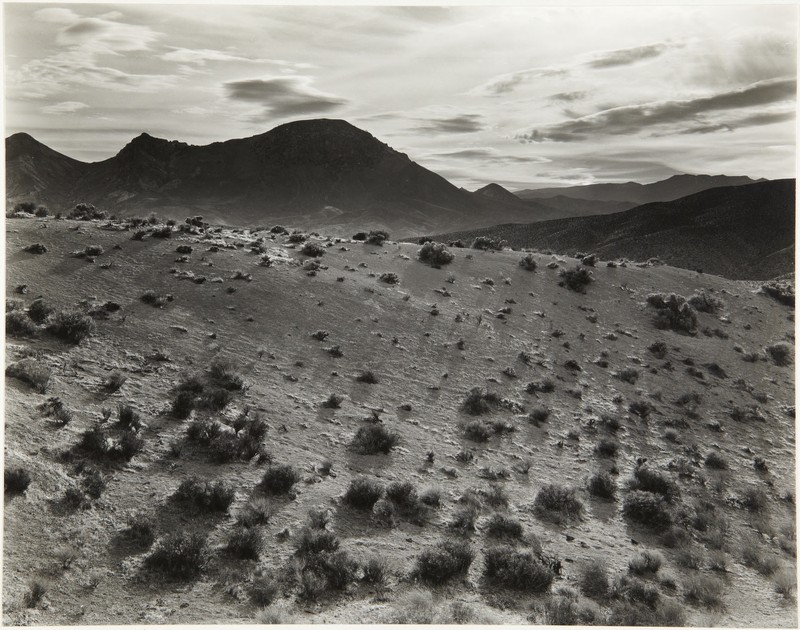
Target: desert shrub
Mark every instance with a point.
(602, 485)
(128, 417)
(641, 408)
(31, 372)
(35, 248)
(205, 496)
(478, 402)
(444, 561)
(296, 237)
(629, 375)
(431, 497)
(715, 460)
(673, 312)
(435, 254)
(182, 405)
(367, 376)
(554, 499)
(140, 530)
(113, 383)
(593, 580)
(34, 595)
(16, 480)
(263, 591)
(256, 512)
(93, 483)
(179, 555)
(528, 262)
(647, 508)
(545, 386)
(705, 302)
(658, 348)
(337, 570)
(782, 292)
(315, 541)
(607, 448)
(477, 431)
(754, 499)
(86, 212)
(403, 494)
(464, 518)
(509, 568)
(312, 249)
(359, 236)
(244, 543)
(39, 311)
(705, 590)
(363, 493)
(486, 242)
(576, 279)
(377, 237)
(650, 480)
(19, 325)
(215, 399)
(539, 414)
(502, 526)
(72, 326)
(184, 249)
(389, 278)
(165, 231)
(279, 479)
(646, 562)
(223, 374)
(374, 438)
(28, 207)
(334, 401)
(781, 353)
(375, 570)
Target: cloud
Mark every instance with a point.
(200, 56)
(628, 56)
(631, 119)
(568, 97)
(464, 123)
(64, 107)
(283, 96)
(505, 83)
(488, 155)
(83, 41)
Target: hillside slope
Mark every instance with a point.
(700, 411)
(740, 232)
(311, 173)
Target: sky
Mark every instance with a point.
(524, 96)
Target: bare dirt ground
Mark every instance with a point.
(735, 523)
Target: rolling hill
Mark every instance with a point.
(741, 232)
(313, 173)
(217, 425)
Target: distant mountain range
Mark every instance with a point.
(307, 174)
(314, 173)
(669, 189)
(740, 232)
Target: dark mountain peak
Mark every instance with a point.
(145, 144)
(496, 191)
(24, 145)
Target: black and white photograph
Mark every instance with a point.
(355, 314)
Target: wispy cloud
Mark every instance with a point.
(568, 97)
(283, 96)
(82, 42)
(464, 123)
(65, 107)
(505, 83)
(631, 119)
(626, 56)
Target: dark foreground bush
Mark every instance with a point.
(647, 508)
(781, 353)
(444, 561)
(179, 555)
(593, 580)
(486, 243)
(279, 479)
(141, 530)
(528, 262)
(502, 526)
(363, 493)
(31, 372)
(314, 541)
(312, 249)
(553, 499)
(650, 480)
(374, 438)
(478, 402)
(205, 496)
(72, 326)
(522, 571)
(19, 325)
(435, 254)
(673, 312)
(16, 480)
(377, 237)
(576, 279)
(602, 485)
(244, 543)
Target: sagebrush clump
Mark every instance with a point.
(443, 562)
(435, 254)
